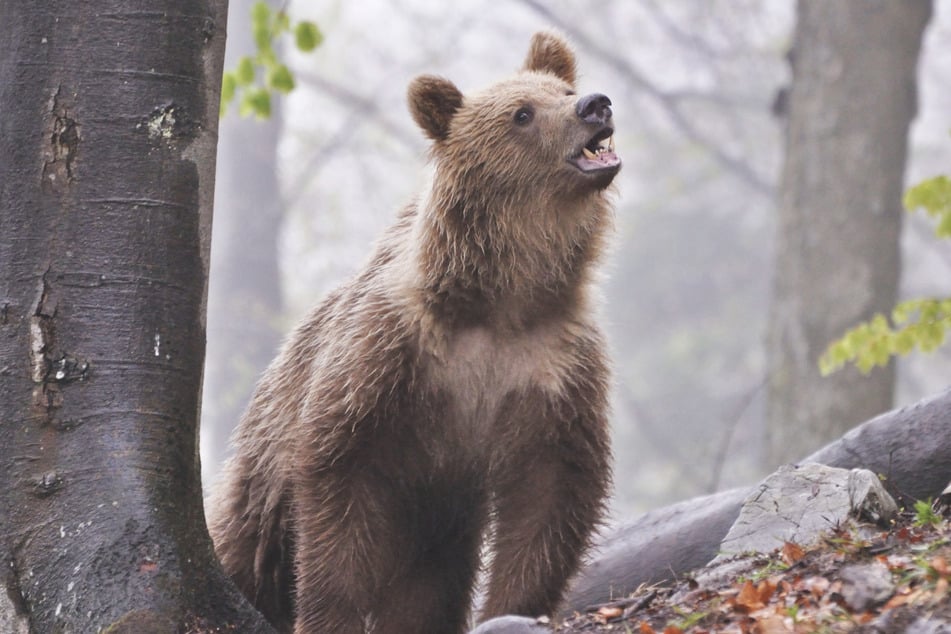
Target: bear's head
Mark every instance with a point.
(524, 138)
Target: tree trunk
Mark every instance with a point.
(851, 102)
(244, 296)
(107, 147)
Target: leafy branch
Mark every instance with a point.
(934, 196)
(257, 76)
(915, 324)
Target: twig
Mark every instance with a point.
(669, 104)
(720, 460)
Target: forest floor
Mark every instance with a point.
(861, 578)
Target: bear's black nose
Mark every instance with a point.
(594, 108)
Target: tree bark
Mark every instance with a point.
(107, 147)
(850, 105)
(244, 297)
(910, 447)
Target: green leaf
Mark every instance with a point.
(262, 36)
(228, 85)
(307, 36)
(257, 102)
(932, 336)
(904, 342)
(925, 514)
(864, 364)
(943, 230)
(281, 79)
(260, 15)
(244, 74)
(267, 57)
(900, 313)
(282, 23)
(933, 195)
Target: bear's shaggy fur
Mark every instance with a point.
(457, 382)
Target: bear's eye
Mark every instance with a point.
(524, 115)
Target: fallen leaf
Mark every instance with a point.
(792, 553)
(817, 586)
(773, 624)
(900, 598)
(863, 618)
(940, 565)
(610, 611)
(748, 599)
(940, 590)
(765, 590)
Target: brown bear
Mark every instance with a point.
(454, 392)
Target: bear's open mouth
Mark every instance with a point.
(598, 153)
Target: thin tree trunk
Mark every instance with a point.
(851, 102)
(107, 147)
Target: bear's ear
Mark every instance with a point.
(432, 102)
(549, 53)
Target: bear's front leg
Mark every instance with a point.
(338, 537)
(384, 552)
(549, 498)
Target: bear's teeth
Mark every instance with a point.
(611, 143)
(588, 153)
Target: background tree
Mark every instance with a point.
(852, 98)
(245, 302)
(918, 323)
(107, 145)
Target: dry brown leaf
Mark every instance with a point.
(771, 624)
(940, 589)
(645, 628)
(900, 598)
(765, 590)
(610, 612)
(792, 553)
(817, 586)
(863, 618)
(940, 565)
(748, 599)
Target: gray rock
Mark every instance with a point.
(512, 625)
(865, 586)
(929, 625)
(868, 499)
(798, 503)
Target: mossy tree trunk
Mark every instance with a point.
(852, 98)
(107, 147)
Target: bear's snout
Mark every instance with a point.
(594, 108)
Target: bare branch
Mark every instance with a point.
(669, 104)
(360, 104)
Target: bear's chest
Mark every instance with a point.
(478, 369)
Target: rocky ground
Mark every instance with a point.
(858, 578)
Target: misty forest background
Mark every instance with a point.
(698, 88)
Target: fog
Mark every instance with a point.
(686, 286)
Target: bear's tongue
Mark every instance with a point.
(597, 154)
